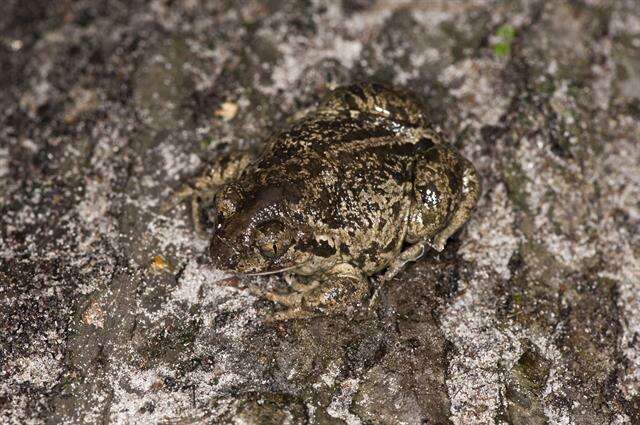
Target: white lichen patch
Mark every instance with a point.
(176, 234)
(490, 239)
(477, 83)
(624, 22)
(209, 288)
(92, 209)
(561, 226)
(555, 388)
(557, 379)
(339, 407)
(329, 377)
(620, 172)
(604, 73)
(619, 247)
(189, 286)
(239, 303)
(144, 396)
(339, 38)
(297, 57)
(483, 351)
(175, 162)
(39, 370)
(433, 14)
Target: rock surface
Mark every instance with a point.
(109, 311)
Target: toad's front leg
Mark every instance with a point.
(341, 290)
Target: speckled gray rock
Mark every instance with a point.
(109, 310)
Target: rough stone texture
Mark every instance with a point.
(109, 311)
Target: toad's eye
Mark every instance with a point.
(273, 239)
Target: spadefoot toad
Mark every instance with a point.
(358, 185)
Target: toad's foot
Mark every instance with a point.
(410, 254)
(342, 291)
(293, 299)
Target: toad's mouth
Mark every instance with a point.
(268, 272)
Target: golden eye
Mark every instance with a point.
(272, 239)
(273, 249)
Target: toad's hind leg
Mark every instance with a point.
(470, 192)
(342, 291)
(445, 191)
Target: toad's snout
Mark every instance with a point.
(223, 256)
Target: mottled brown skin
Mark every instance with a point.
(335, 197)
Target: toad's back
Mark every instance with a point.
(348, 177)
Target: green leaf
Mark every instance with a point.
(506, 32)
(505, 35)
(501, 49)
